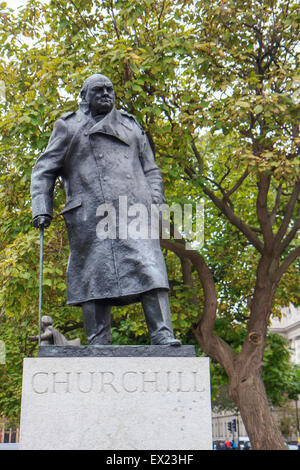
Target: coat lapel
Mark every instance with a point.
(112, 125)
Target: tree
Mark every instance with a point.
(280, 376)
(214, 84)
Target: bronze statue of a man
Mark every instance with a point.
(103, 154)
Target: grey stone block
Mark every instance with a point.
(116, 403)
(117, 351)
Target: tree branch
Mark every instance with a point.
(228, 212)
(215, 183)
(291, 234)
(237, 184)
(198, 156)
(186, 270)
(114, 19)
(204, 273)
(288, 214)
(214, 346)
(84, 21)
(262, 210)
(160, 15)
(286, 264)
(276, 205)
(224, 177)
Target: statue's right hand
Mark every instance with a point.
(41, 221)
(33, 338)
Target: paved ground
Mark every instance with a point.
(9, 446)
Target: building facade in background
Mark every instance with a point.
(287, 326)
(8, 434)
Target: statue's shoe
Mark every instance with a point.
(167, 341)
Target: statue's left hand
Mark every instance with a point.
(41, 221)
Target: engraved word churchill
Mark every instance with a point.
(106, 381)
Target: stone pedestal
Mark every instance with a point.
(116, 403)
(117, 351)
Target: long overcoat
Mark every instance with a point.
(99, 162)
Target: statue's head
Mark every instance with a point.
(46, 321)
(98, 93)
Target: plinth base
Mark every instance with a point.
(117, 351)
(116, 403)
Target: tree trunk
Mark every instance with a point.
(250, 396)
(244, 370)
(246, 386)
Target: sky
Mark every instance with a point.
(15, 3)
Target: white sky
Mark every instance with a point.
(15, 3)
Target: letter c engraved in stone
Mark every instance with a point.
(33, 383)
(124, 383)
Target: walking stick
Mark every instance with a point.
(41, 281)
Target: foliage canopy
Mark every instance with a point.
(215, 85)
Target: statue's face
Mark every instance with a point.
(45, 325)
(100, 96)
